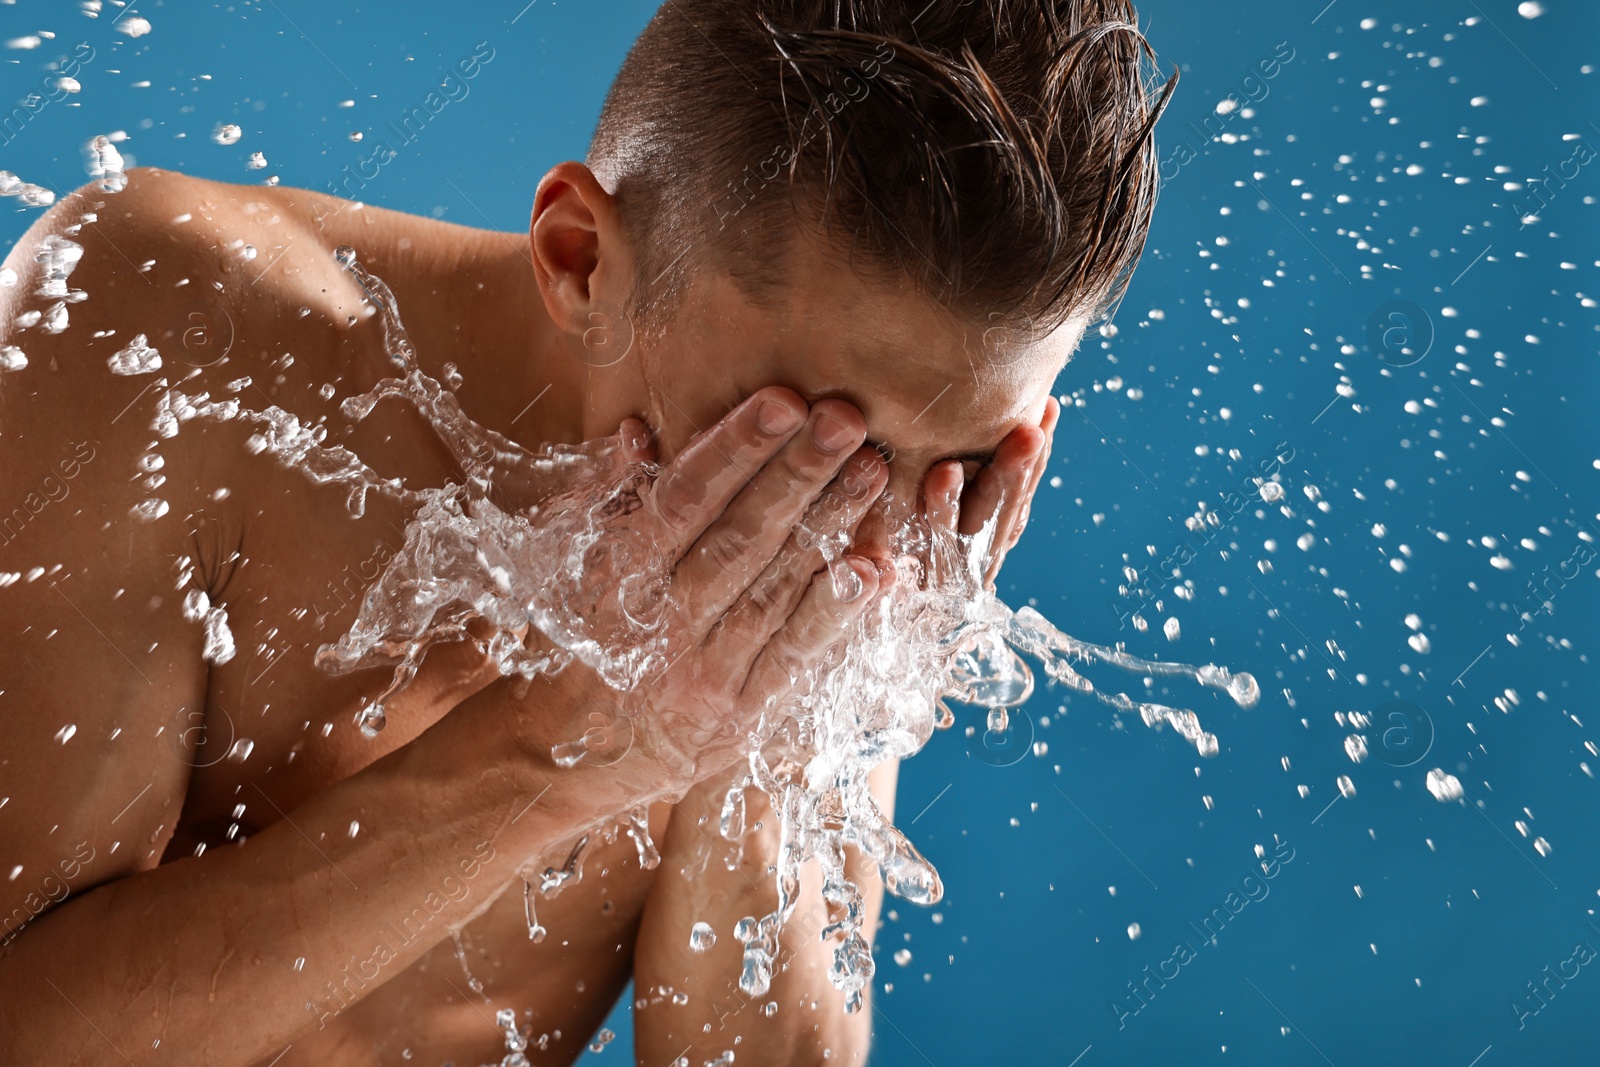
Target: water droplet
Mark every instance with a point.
(105, 163)
(149, 510)
(702, 937)
(371, 720)
(218, 648)
(536, 932)
(137, 358)
(195, 605)
(1444, 787)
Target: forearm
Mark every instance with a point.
(224, 957)
(807, 1013)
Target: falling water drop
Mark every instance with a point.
(702, 937)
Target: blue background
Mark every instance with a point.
(1381, 164)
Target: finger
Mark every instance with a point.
(941, 494)
(738, 544)
(769, 600)
(637, 443)
(1052, 415)
(941, 506)
(999, 482)
(815, 626)
(1014, 499)
(701, 479)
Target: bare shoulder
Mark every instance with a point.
(110, 303)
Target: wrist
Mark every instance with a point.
(496, 749)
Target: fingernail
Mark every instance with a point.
(636, 435)
(776, 417)
(830, 434)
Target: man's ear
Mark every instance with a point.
(582, 260)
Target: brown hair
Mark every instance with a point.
(999, 152)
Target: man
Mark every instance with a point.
(833, 255)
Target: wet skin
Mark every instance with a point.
(200, 952)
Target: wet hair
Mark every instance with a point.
(997, 152)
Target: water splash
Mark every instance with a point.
(516, 542)
(105, 163)
(28, 194)
(516, 1040)
(136, 358)
(58, 257)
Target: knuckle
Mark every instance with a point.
(672, 507)
(727, 547)
(798, 477)
(769, 592)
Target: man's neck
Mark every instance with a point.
(523, 375)
(519, 377)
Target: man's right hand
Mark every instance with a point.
(738, 517)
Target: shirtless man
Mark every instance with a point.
(208, 862)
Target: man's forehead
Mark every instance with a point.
(931, 383)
